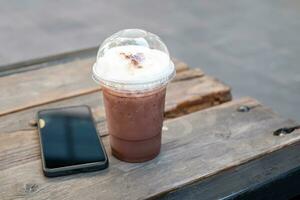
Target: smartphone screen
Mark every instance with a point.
(69, 137)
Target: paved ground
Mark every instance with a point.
(253, 45)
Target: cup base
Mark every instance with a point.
(135, 151)
(133, 160)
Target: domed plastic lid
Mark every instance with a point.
(133, 60)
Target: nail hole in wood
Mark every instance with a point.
(285, 130)
(243, 108)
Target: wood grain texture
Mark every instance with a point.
(37, 87)
(47, 61)
(194, 146)
(188, 74)
(189, 92)
(272, 176)
(195, 94)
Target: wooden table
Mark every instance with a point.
(212, 147)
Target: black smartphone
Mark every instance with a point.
(69, 141)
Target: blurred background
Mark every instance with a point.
(252, 45)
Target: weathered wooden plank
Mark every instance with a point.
(273, 176)
(48, 61)
(202, 93)
(19, 121)
(188, 74)
(194, 146)
(64, 80)
(189, 93)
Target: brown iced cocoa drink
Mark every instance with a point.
(134, 67)
(134, 123)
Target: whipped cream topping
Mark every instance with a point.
(133, 65)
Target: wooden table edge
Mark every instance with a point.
(274, 175)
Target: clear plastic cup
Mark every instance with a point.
(134, 67)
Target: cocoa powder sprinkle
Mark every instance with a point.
(135, 59)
